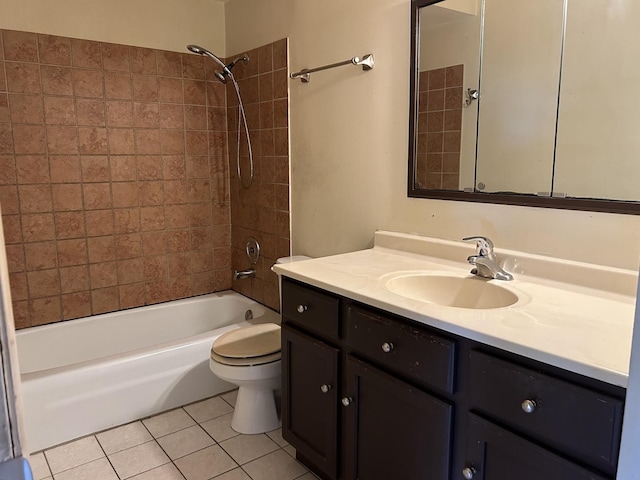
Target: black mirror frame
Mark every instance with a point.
(585, 204)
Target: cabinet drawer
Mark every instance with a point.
(413, 352)
(574, 419)
(310, 309)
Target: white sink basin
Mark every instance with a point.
(451, 290)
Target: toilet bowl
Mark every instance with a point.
(249, 357)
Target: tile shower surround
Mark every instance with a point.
(114, 183)
(439, 128)
(262, 211)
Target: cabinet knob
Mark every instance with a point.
(302, 308)
(346, 401)
(387, 347)
(528, 406)
(468, 473)
(325, 388)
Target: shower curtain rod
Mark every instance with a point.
(305, 73)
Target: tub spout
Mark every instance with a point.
(238, 275)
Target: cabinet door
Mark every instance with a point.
(310, 398)
(496, 454)
(392, 429)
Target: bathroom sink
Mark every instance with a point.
(451, 290)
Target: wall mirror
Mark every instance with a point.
(528, 103)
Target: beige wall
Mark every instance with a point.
(165, 25)
(349, 142)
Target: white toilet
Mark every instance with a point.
(250, 358)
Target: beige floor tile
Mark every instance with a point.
(185, 441)
(205, 464)
(220, 428)
(138, 459)
(123, 437)
(73, 454)
(275, 466)
(237, 474)
(168, 422)
(276, 436)
(165, 472)
(208, 409)
(245, 448)
(308, 476)
(290, 450)
(230, 397)
(97, 470)
(39, 467)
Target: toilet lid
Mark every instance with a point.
(248, 342)
(245, 362)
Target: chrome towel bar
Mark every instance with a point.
(305, 74)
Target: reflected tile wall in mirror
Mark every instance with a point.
(439, 128)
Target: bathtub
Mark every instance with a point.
(86, 375)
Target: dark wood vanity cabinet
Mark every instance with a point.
(310, 393)
(392, 429)
(368, 395)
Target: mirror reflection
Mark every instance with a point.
(526, 99)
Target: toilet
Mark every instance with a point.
(249, 357)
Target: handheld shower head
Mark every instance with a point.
(226, 69)
(203, 51)
(222, 75)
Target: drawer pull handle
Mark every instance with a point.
(468, 473)
(346, 401)
(528, 406)
(302, 308)
(325, 388)
(387, 347)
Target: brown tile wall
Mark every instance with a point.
(114, 182)
(262, 211)
(439, 128)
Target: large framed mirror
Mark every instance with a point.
(527, 103)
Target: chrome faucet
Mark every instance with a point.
(484, 261)
(240, 274)
(252, 249)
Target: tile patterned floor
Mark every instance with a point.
(194, 442)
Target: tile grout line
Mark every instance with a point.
(106, 456)
(159, 446)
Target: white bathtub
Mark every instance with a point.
(90, 374)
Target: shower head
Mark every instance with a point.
(204, 51)
(226, 69)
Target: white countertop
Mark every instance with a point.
(584, 327)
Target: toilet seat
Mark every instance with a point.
(247, 346)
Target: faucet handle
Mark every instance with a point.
(484, 245)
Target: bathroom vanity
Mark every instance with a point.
(379, 385)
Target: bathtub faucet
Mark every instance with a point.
(239, 275)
